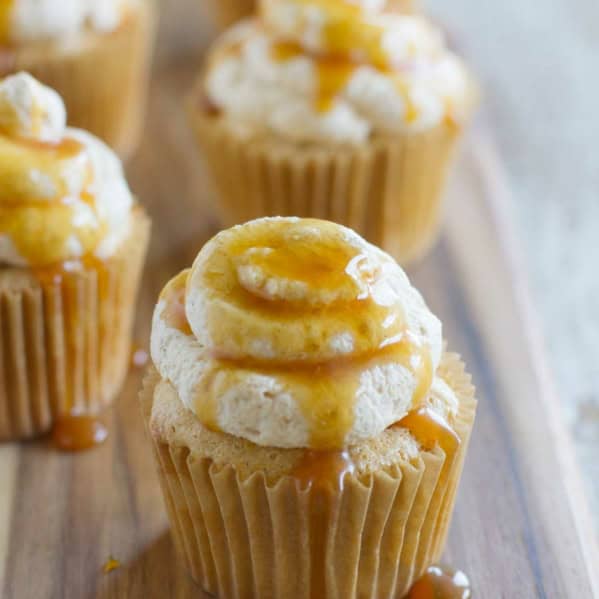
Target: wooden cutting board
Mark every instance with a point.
(521, 528)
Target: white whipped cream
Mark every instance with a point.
(31, 111)
(266, 408)
(53, 19)
(261, 93)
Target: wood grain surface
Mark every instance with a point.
(521, 528)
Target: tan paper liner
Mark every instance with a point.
(102, 78)
(65, 343)
(389, 190)
(248, 539)
(227, 12)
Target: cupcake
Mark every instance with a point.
(95, 54)
(227, 12)
(72, 245)
(335, 110)
(308, 426)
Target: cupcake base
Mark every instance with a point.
(247, 529)
(65, 337)
(389, 190)
(102, 77)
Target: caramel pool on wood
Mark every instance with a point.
(441, 583)
(77, 433)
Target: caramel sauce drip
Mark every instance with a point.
(74, 431)
(174, 296)
(6, 9)
(430, 430)
(441, 583)
(78, 432)
(322, 474)
(333, 72)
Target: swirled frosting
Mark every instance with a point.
(296, 333)
(337, 71)
(30, 20)
(63, 194)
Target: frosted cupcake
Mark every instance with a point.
(308, 427)
(72, 244)
(95, 53)
(227, 12)
(334, 110)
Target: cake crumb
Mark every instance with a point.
(110, 565)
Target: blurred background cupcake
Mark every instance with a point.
(95, 53)
(339, 110)
(72, 246)
(227, 12)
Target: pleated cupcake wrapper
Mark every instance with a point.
(246, 538)
(64, 344)
(227, 12)
(388, 190)
(102, 78)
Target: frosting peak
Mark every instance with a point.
(296, 333)
(62, 191)
(31, 110)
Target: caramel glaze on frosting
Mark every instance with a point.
(336, 70)
(62, 192)
(296, 333)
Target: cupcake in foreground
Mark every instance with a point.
(72, 245)
(95, 54)
(227, 12)
(333, 109)
(308, 427)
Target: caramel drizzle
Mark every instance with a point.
(335, 67)
(324, 389)
(174, 297)
(39, 227)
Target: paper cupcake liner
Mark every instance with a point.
(248, 538)
(64, 341)
(102, 78)
(388, 190)
(227, 12)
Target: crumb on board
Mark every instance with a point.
(110, 565)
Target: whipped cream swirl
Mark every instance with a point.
(335, 71)
(296, 333)
(63, 195)
(32, 20)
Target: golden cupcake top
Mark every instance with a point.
(336, 71)
(296, 333)
(63, 195)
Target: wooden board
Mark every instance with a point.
(520, 528)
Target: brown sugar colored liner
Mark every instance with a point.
(251, 538)
(389, 190)
(102, 77)
(65, 337)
